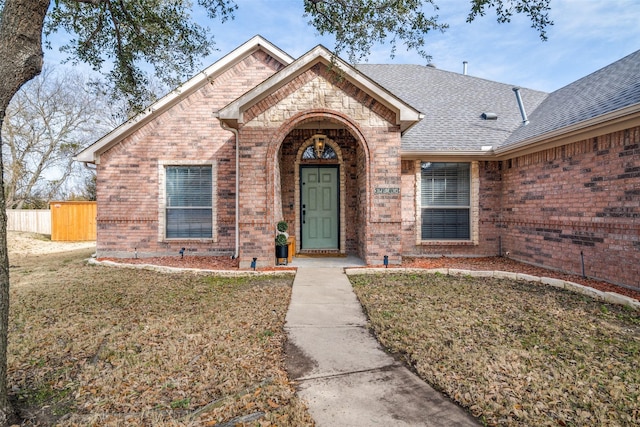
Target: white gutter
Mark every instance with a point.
(486, 152)
(235, 132)
(611, 118)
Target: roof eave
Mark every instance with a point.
(406, 115)
(405, 125)
(606, 123)
(444, 155)
(92, 153)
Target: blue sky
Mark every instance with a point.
(586, 36)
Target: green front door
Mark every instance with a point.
(319, 207)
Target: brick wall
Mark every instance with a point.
(370, 145)
(486, 189)
(552, 208)
(578, 198)
(129, 216)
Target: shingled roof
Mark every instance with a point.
(453, 105)
(607, 90)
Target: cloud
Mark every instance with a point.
(587, 35)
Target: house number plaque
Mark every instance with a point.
(392, 190)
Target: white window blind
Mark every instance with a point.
(445, 201)
(189, 202)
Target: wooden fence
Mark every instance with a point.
(73, 221)
(31, 220)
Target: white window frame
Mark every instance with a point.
(474, 209)
(162, 199)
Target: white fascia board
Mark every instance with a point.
(405, 126)
(233, 112)
(91, 153)
(572, 130)
(476, 154)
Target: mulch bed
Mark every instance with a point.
(483, 263)
(202, 262)
(199, 262)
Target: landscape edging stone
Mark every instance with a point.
(610, 297)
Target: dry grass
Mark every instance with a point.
(92, 345)
(514, 354)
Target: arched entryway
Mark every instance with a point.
(322, 195)
(319, 195)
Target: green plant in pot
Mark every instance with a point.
(281, 240)
(282, 247)
(282, 227)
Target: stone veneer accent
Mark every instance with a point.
(312, 90)
(319, 96)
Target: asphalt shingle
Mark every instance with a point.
(609, 89)
(452, 104)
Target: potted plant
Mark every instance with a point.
(282, 246)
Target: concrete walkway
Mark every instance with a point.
(343, 374)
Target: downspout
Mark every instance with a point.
(94, 169)
(235, 132)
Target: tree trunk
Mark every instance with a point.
(6, 412)
(21, 52)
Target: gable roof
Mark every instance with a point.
(452, 104)
(439, 111)
(406, 116)
(91, 154)
(607, 94)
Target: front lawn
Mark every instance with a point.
(91, 345)
(513, 353)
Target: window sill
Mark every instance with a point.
(447, 243)
(189, 239)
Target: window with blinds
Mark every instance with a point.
(446, 201)
(189, 202)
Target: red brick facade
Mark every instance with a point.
(369, 143)
(554, 208)
(484, 211)
(129, 216)
(577, 201)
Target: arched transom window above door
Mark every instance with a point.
(319, 147)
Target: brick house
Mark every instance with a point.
(375, 160)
